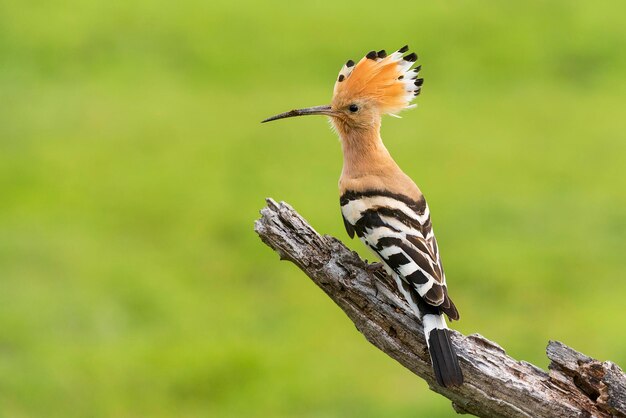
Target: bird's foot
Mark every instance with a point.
(375, 267)
(378, 270)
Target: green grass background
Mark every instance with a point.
(133, 164)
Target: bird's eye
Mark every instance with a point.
(353, 108)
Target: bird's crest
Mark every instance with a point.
(388, 80)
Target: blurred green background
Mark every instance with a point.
(133, 164)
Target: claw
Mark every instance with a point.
(375, 267)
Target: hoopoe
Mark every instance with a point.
(380, 203)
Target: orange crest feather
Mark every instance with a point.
(387, 80)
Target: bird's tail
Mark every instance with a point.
(444, 358)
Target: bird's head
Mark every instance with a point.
(364, 91)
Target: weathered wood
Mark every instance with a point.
(496, 385)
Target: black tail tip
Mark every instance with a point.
(445, 361)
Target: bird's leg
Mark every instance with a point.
(374, 267)
(378, 270)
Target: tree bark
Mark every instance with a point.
(496, 385)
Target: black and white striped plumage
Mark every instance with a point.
(398, 229)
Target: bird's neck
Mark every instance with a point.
(366, 161)
(363, 152)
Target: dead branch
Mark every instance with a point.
(496, 385)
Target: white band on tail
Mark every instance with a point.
(433, 322)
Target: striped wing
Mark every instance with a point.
(398, 229)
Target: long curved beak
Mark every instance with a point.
(316, 110)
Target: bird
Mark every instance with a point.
(380, 203)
